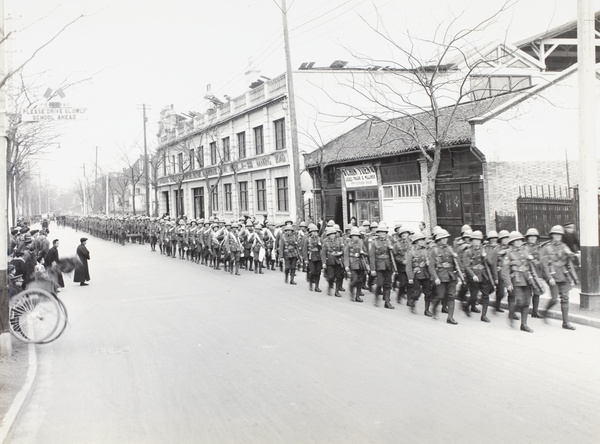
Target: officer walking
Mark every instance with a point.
(381, 264)
(516, 276)
(478, 279)
(354, 260)
(417, 272)
(311, 251)
(289, 250)
(443, 273)
(331, 257)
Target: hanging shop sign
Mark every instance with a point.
(360, 176)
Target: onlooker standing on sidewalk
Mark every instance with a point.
(82, 273)
(51, 259)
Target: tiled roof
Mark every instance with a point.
(373, 139)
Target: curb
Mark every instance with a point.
(13, 412)
(573, 317)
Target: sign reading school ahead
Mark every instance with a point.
(360, 176)
(47, 113)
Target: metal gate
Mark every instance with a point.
(460, 203)
(544, 207)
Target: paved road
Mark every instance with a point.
(165, 351)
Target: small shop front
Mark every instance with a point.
(360, 185)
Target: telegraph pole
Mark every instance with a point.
(146, 172)
(293, 122)
(84, 193)
(107, 193)
(588, 159)
(95, 181)
(5, 339)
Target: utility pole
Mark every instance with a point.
(107, 193)
(293, 122)
(5, 339)
(588, 159)
(146, 172)
(95, 181)
(84, 193)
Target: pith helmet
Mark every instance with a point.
(532, 232)
(330, 230)
(374, 225)
(557, 229)
(382, 227)
(477, 235)
(366, 223)
(419, 236)
(515, 235)
(467, 234)
(441, 234)
(492, 234)
(503, 234)
(465, 228)
(235, 225)
(312, 227)
(331, 223)
(288, 228)
(302, 224)
(354, 231)
(337, 228)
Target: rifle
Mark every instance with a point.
(458, 270)
(533, 278)
(391, 253)
(489, 273)
(570, 269)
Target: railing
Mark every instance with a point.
(239, 102)
(257, 93)
(276, 85)
(402, 191)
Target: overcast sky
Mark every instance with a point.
(166, 52)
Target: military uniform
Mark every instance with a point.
(233, 248)
(354, 260)
(331, 257)
(381, 265)
(558, 273)
(475, 263)
(400, 248)
(417, 272)
(289, 251)
(443, 272)
(311, 252)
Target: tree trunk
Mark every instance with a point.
(236, 183)
(155, 212)
(209, 207)
(432, 172)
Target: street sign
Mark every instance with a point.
(45, 113)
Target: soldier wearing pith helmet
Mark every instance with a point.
(532, 246)
(476, 272)
(443, 273)
(354, 260)
(417, 271)
(381, 264)
(558, 273)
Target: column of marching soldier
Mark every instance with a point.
(373, 257)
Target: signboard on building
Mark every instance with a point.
(360, 176)
(50, 113)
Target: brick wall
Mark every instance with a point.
(504, 179)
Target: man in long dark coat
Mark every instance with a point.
(82, 273)
(52, 259)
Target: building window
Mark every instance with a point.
(226, 150)
(180, 162)
(198, 202)
(241, 145)
(243, 196)
(179, 210)
(279, 134)
(200, 156)
(261, 195)
(228, 204)
(213, 153)
(192, 159)
(483, 87)
(402, 191)
(173, 170)
(259, 140)
(215, 198)
(164, 163)
(282, 194)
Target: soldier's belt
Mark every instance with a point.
(521, 269)
(447, 265)
(416, 270)
(478, 267)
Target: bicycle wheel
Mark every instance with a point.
(62, 324)
(34, 315)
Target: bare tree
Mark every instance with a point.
(155, 164)
(424, 118)
(121, 187)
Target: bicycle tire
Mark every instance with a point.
(62, 325)
(34, 315)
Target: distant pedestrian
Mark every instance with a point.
(82, 273)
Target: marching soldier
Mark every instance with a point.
(558, 272)
(289, 252)
(516, 276)
(401, 246)
(233, 248)
(533, 249)
(417, 272)
(381, 264)
(443, 272)
(258, 249)
(331, 257)
(354, 259)
(311, 251)
(478, 275)
(500, 253)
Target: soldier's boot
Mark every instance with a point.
(535, 312)
(260, 268)
(257, 268)
(272, 265)
(351, 295)
(564, 308)
(386, 298)
(550, 304)
(310, 286)
(337, 293)
(511, 309)
(427, 307)
(329, 288)
(484, 308)
(524, 326)
(357, 298)
(317, 280)
(237, 268)
(376, 298)
(474, 308)
(466, 307)
(445, 305)
(450, 319)
(250, 264)
(293, 275)
(287, 272)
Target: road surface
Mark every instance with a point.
(166, 351)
